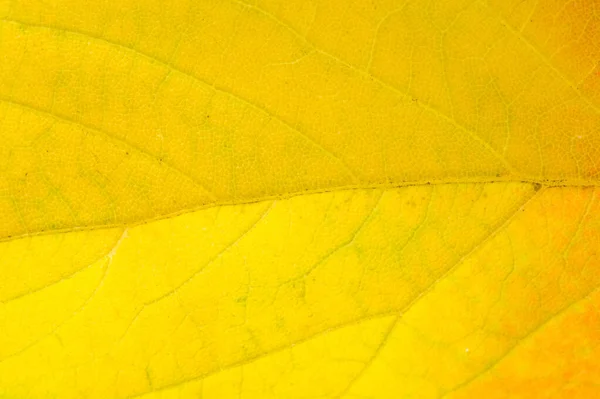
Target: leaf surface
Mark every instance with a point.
(374, 199)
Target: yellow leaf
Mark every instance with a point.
(299, 199)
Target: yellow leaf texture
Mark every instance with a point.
(299, 199)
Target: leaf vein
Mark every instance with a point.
(213, 85)
(113, 137)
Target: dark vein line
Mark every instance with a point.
(558, 183)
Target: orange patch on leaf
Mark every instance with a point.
(557, 360)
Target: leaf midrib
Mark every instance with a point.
(515, 177)
(574, 183)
